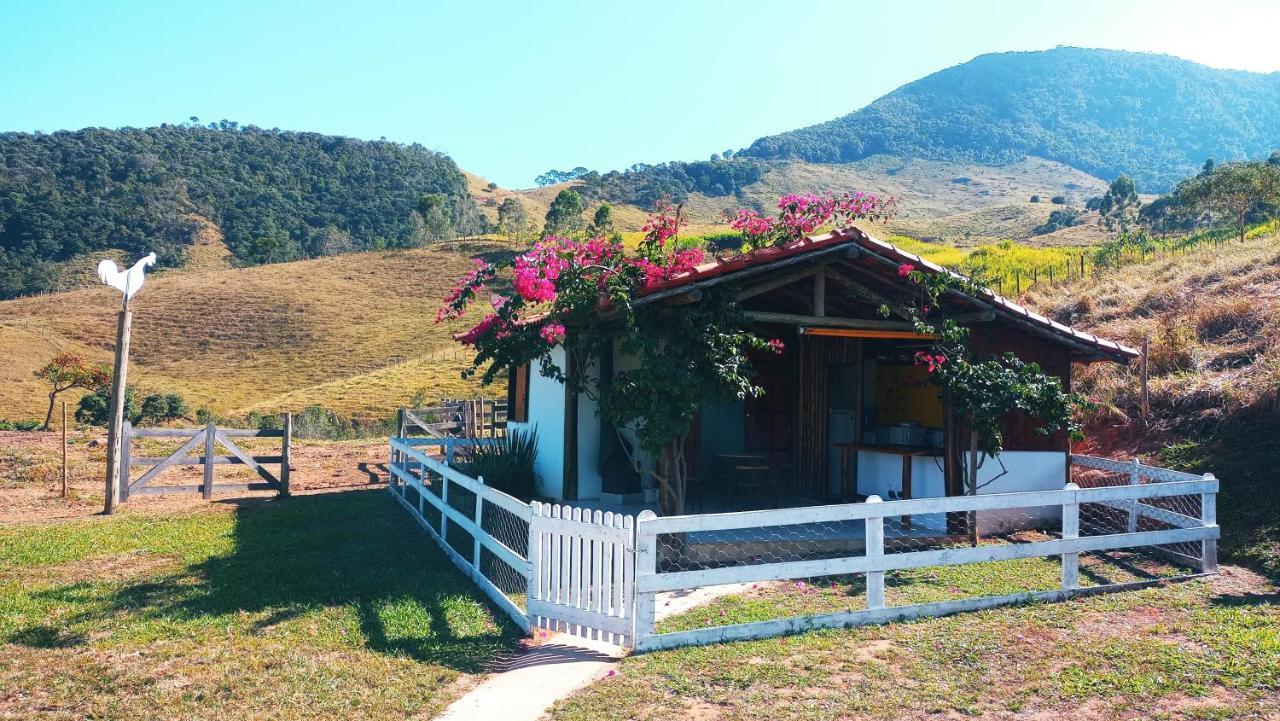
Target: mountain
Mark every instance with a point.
(1105, 112)
(273, 195)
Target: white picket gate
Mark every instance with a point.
(583, 577)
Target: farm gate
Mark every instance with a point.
(209, 438)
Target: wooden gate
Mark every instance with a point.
(209, 437)
(583, 573)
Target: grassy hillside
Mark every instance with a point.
(1105, 112)
(1213, 319)
(273, 195)
(351, 332)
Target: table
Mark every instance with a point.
(907, 453)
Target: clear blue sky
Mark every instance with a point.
(510, 89)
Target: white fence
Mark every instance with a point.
(602, 575)
(483, 531)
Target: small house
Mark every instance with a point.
(846, 411)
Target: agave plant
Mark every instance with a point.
(508, 464)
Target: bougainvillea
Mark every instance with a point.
(578, 294)
(801, 215)
(982, 391)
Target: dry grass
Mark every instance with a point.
(234, 339)
(1213, 319)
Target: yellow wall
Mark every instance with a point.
(905, 395)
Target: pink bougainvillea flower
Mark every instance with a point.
(775, 345)
(905, 270)
(552, 333)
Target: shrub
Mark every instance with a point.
(508, 465)
(1035, 199)
(28, 425)
(1058, 200)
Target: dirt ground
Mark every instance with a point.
(31, 478)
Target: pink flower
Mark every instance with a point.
(905, 270)
(552, 333)
(775, 345)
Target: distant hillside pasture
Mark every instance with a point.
(231, 340)
(1105, 112)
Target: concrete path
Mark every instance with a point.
(524, 685)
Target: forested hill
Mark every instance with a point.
(1154, 117)
(274, 195)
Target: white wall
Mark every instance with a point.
(546, 415)
(879, 473)
(1028, 471)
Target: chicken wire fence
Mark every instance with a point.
(483, 531)
(778, 571)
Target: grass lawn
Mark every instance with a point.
(322, 606)
(1200, 649)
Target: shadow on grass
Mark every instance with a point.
(354, 554)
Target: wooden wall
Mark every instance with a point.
(1021, 432)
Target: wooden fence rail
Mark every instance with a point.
(599, 575)
(207, 438)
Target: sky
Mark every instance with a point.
(511, 89)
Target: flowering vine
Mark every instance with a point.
(983, 391)
(801, 215)
(580, 295)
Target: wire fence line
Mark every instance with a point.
(611, 577)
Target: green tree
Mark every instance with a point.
(1231, 190)
(435, 215)
(66, 371)
(1119, 206)
(564, 217)
(602, 221)
(513, 220)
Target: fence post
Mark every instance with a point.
(646, 565)
(479, 525)
(444, 503)
(400, 421)
(1135, 478)
(1071, 530)
(448, 452)
(206, 488)
(1209, 517)
(875, 549)
(126, 457)
(534, 588)
(64, 452)
(286, 452)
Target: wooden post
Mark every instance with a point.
(119, 382)
(286, 453)
(1144, 374)
(1017, 282)
(1070, 530)
(1135, 479)
(64, 449)
(875, 549)
(820, 291)
(396, 456)
(206, 488)
(1209, 517)
(126, 459)
(646, 565)
(475, 561)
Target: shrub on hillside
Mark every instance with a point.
(27, 425)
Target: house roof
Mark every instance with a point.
(836, 242)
